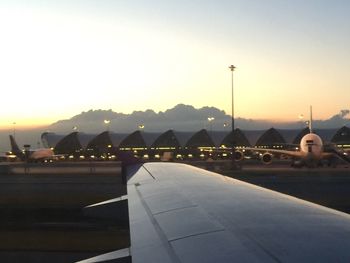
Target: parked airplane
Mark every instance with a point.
(180, 213)
(31, 155)
(7, 157)
(310, 151)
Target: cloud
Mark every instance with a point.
(343, 113)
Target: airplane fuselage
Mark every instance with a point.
(311, 146)
(41, 154)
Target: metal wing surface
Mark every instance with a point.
(179, 213)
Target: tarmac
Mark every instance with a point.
(43, 217)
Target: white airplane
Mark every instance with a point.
(310, 151)
(32, 155)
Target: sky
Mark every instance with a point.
(59, 58)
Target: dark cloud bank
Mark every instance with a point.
(181, 117)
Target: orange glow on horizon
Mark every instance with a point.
(26, 125)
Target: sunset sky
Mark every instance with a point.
(59, 58)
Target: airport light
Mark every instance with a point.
(307, 124)
(210, 119)
(141, 127)
(232, 68)
(107, 122)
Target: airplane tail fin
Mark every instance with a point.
(129, 160)
(14, 147)
(310, 121)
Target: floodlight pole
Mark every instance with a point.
(232, 68)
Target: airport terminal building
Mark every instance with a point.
(181, 145)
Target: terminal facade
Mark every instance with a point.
(171, 144)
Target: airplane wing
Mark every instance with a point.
(276, 151)
(179, 213)
(338, 153)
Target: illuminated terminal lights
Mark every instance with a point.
(223, 146)
(206, 148)
(268, 147)
(133, 149)
(104, 144)
(343, 145)
(163, 148)
(113, 157)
